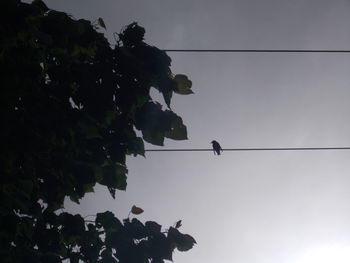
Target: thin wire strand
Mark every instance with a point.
(253, 149)
(255, 51)
(259, 50)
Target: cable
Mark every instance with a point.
(258, 50)
(253, 149)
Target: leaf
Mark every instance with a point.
(156, 138)
(178, 224)
(187, 243)
(137, 229)
(108, 221)
(183, 242)
(161, 247)
(166, 87)
(167, 97)
(132, 34)
(74, 198)
(89, 188)
(153, 122)
(153, 227)
(112, 191)
(178, 130)
(72, 225)
(183, 84)
(41, 5)
(114, 176)
(101, 23)
(136, 146)
(136, 210)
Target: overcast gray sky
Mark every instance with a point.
(245, 207)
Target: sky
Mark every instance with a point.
(245, 207)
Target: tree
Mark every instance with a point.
(70, 106)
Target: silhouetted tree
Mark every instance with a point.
(70, 105)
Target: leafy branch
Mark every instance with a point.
(72, 104)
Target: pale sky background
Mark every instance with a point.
(245, 207)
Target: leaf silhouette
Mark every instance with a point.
(183, 242)
(136, 210)
(178, 224)
(183, 84)
(101, 23)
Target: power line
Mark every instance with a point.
(253, 149)
(258, 50)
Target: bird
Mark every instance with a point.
(216, 147)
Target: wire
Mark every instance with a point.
(255, 51)
(253, 149)
(259, 50)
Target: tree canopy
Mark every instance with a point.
(71, 106)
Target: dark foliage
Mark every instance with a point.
(70, 105)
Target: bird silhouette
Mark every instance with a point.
(216, 147)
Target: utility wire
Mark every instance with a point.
(255, 51)
(258, 50)
(253, 149)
